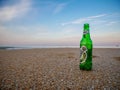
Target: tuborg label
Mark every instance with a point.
(83, 54)
(85, 32)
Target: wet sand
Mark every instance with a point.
(58, 69)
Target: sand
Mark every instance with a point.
(58, 69)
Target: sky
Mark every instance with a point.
(58, 22)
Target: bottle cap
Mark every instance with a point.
(86, 25)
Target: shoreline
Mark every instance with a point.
(18, 48)
(43, 47)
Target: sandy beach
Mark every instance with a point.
(58, 69)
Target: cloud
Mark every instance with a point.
(22, 34)
(8, 13)
(59, 8)
(36, 34)
(82, 20)
(112, 23)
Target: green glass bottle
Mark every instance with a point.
(86, 49)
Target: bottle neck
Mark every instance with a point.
(86, 33)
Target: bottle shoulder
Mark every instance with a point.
(86, 43)
(86, 40)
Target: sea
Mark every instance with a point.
(38, 47)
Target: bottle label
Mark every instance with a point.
(83, 54)
(85, 32)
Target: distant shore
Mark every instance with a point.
(39, 47)
(58, 68)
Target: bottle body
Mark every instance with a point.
(86, 50)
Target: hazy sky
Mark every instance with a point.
(58, 22)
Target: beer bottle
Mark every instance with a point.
(86, 49)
